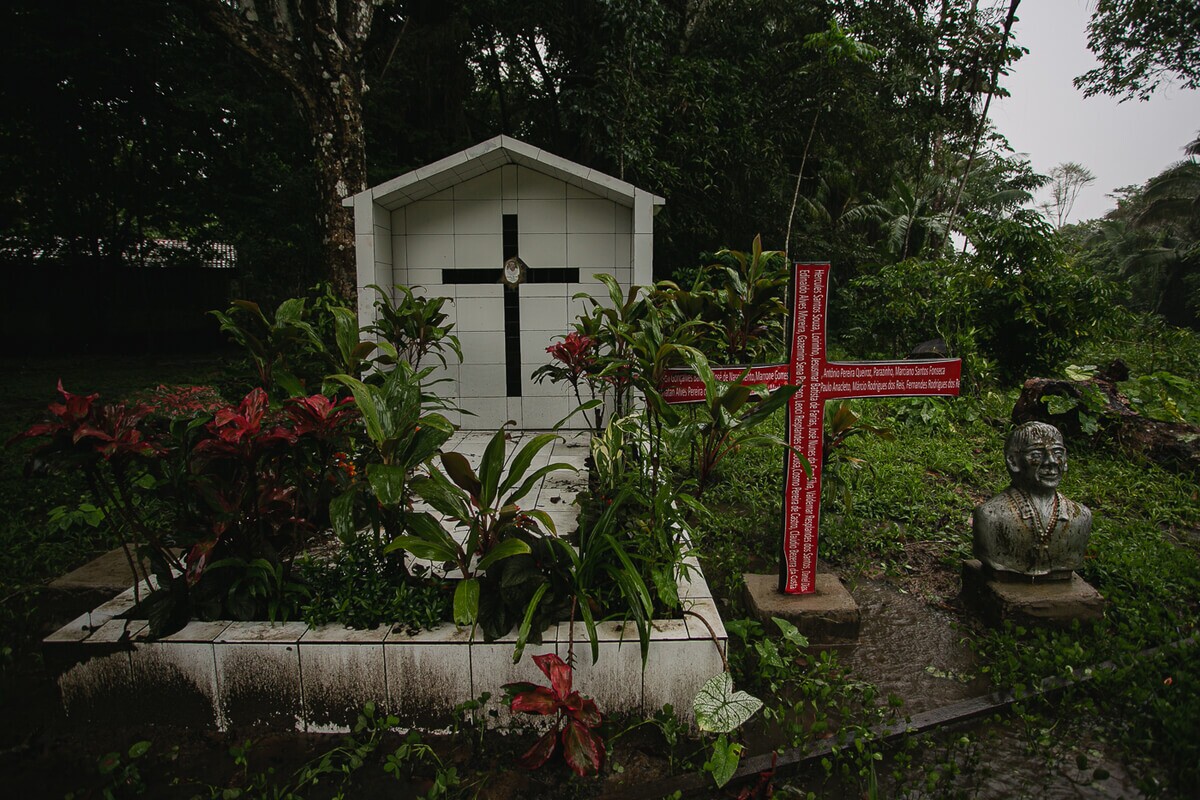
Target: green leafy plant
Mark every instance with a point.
(732, 413)
(404, 430)
(577, 718)
(278, 345)
(120, 772)
(721, 710)
(747, 305)
(841, 425)
(414, 326)
(361, 588)
(485, 506)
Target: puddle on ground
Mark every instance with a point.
(911, 649)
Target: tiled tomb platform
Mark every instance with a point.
(290, 676)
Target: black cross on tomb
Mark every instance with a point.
(512, 275)
(819, 380)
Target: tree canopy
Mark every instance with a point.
(850, 131)
(1141, 44)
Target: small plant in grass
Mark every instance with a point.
(841, 425)
(731, 418)
(576, 724)
(361, 588)
(722, 710)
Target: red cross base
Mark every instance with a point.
(820, 380)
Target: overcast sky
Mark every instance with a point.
(1050, 121)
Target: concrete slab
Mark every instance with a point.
(827, 616)
(88, 586)
(109, 572)
(1050, 603)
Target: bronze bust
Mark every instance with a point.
(1030, 531)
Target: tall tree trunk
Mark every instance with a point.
(983, 116)
(316, 48)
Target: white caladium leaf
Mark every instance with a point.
(719, 709)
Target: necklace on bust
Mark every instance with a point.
(1032, 519)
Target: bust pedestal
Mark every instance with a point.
(1052, 603)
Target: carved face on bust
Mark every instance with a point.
(1036, 456)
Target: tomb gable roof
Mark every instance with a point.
(487, 156)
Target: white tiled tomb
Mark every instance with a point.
(449, 227)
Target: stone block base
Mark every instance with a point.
(1049, 603)
(827, 616)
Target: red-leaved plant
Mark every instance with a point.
(578, 718)
(575, 361)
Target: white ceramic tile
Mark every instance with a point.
(198, 631)
(534, 341)
(489, 412)
(480, 314)
(543, 412)
(258, 684)
(477, 216)
(483, 380)
(428, 251)
(534, 185)
(492, 667)
(615, 680)
(77, 630)
(675, 671)
(364, 258)
(383, 246)
(99, 688)
(580, 192)
(643, 258)
(381, 217)
(542, 249)
(541, 216)
(398, 222)
(508, 183)
(448, 372)
(480, 348)
(426, 681)
(176, 682)
(708, 610)
(334, 633)
(338, 680)
(106, 611)
(557, 290)
(483, 187)
(478, 250)
(399, 252)
(623, 254)
(363, 216)
(590, 252)
(544, 314)
(428, 278)
(429, 217)
(530, 388)
(590, 216)
(622, 219)
(263, 632)
(493, 290)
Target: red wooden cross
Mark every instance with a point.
(820, 380)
